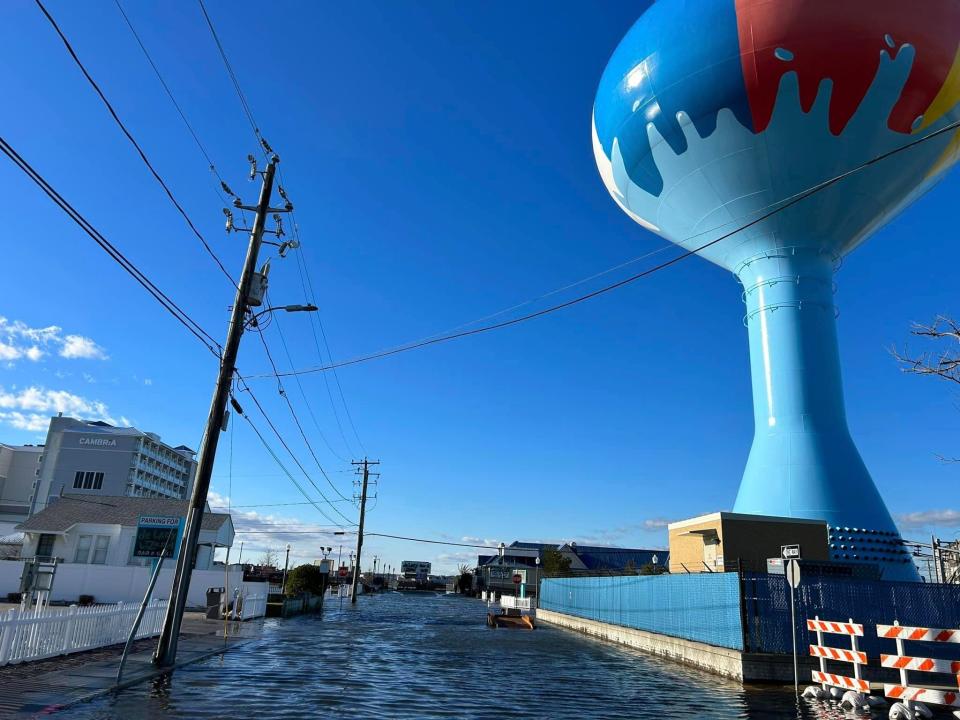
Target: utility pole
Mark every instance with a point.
(363, 509)
(166, 652)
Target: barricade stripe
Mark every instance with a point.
(839, 654)
(937, 697)
(840, 681)
(834, 627)
(906, 662)
(921, 634)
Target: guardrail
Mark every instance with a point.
(31, 635)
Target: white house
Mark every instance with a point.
(101, 530)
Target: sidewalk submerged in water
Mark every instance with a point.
(40, 688)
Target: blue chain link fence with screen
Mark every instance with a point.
(703, 607)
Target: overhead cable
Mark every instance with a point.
(169, 305)
(780, 206)
(136, 145)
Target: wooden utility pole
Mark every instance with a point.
(363, 509)
(250, 280)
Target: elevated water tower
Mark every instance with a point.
(712, 113)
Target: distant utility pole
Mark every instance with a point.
(249, 293)
(363, 509)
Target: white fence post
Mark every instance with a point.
(68, 629)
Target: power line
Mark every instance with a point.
(169, 305)
(296, 420)
(248, 112)
(780, 207)
(320, 531)
(303, 394)
(285, 504)
(276, 459)
(136, 145)
(179, 109)
(316, 342)
(233, 76)
(283, 442)
(430, 542)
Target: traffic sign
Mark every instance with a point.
(517, 579)
(343, 571)
(793, 573)
(790, 551)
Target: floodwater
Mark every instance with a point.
(399, 655)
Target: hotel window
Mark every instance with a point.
(88, 480)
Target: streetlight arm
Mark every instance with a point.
(286, 308)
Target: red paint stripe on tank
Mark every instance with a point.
(843, 41)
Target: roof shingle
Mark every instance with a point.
(71, 509)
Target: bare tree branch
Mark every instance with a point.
(944, 364)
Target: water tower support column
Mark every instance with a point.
(803, 462)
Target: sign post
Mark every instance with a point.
(791, 553)
(157, 542)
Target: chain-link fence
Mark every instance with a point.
(766, 605)
(703, 607)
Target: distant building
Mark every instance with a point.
(525, 559)
(19, 470)
(95, 458)
(102, 530)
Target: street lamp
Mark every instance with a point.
(254, 319)
(286, 564)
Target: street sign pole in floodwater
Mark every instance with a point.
(793, 580)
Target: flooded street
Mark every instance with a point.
(424, 656)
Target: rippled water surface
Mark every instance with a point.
(431, 656)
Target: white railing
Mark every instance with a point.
(29, 635)
(509, 601)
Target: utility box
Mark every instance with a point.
(715, 542)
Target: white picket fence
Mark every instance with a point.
(33, 635)
(29, 635)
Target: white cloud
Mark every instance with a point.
(30, 408)
(656, 523)
(929, 519)
(31, 422)
(147, 381)
(78, 346)
(18, 341)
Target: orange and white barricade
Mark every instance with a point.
(911, 697)
(853, 655)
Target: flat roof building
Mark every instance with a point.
(19, 470)
(95, 458)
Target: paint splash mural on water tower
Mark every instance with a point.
(712, 113)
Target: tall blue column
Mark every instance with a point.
(803, 462)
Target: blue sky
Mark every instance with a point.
(439, 157)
